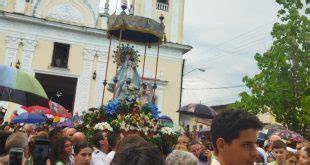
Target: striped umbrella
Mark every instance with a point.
(21, 88)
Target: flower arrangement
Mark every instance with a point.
(167, 131)
(166, 138)
(112, 107)
(129, 116)
(103, 126)
(140, 122)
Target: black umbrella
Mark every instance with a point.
(198, 110)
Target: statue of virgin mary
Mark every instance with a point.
(127, 76)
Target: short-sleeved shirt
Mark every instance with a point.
(98, 157)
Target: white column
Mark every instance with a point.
(11, 49)
(148, 6)
(175, 21)
(20, 6)
(160, 93)
(83, 86)
(100, 70)
(104, 23)
(28, 52)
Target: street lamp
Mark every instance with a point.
(200, 69)
(183, 74)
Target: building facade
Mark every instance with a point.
(64, 44)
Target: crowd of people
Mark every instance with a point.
(233, 140)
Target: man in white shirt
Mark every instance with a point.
(113, 138)
(101, 148)
(234, 135)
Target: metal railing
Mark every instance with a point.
(162, 6)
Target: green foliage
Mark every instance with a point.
(282, 86)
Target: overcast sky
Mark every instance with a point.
(225, 35)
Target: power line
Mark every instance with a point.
(236, 50)
(240, 35)
(246, 44)
(203, 79)
(226, 87)
(240, 41)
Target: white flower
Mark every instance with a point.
(176, 128)
(167, 131)
(103, 126)
(156, 136)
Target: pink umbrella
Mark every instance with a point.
(291, 135)
(37, 109)
(59, 110)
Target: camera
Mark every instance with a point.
(41, 151)
(16, 156)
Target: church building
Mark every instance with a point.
(64, 44)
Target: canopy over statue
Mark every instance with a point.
(127, 82)
(136, 28)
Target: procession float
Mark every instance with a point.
(133, 107)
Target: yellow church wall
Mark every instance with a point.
(139, 10)
(75, 60)
(139, 7)
(10, 5)
(43, 55)
(167, 18)
(172, 72)
(2, 48)
(44, 52)
(181, 20)
(92, 84)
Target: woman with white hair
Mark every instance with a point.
(179, 157)
(16, 140)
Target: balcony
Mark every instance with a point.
(162, 6)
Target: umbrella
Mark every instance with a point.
(290, 136)
(198, 110)
(59, 110)
(29, 118)
(165, 119)
(64, 124)
(206, 129)
(21, 88)
(38, 109)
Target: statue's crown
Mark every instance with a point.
(126, 51)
